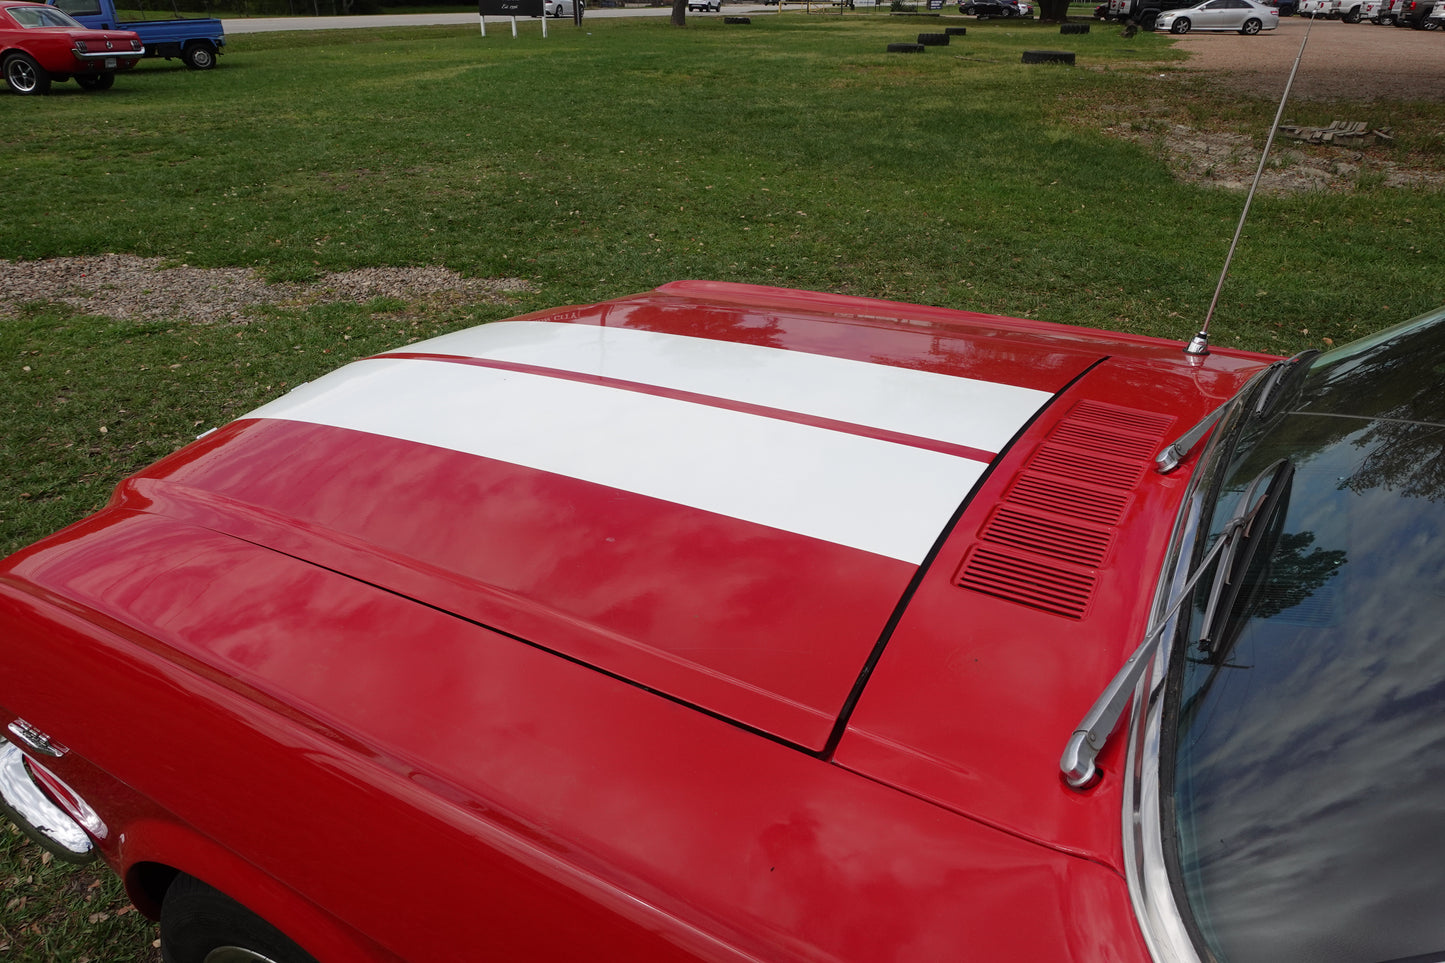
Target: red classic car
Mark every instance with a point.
(733, 623)
(40, 45)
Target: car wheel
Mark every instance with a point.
(1147, 21)
(103, 81)
(25, 76)
(1251, 27)
(1353, 16)
(199, 56)
(1180, 26)
(200, 924)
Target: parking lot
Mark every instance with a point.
(1341, 61)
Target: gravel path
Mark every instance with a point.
(123, 286)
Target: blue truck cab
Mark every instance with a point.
(196, 41)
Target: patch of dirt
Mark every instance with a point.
(126, 287)
(1355, 64)
(1230, 160)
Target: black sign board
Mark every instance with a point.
(509, 8)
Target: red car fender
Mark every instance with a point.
(151, 848)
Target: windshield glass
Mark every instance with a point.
(1303, 758)
(40, 17)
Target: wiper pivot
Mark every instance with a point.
(1234, 548)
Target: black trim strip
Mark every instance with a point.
(851, 703)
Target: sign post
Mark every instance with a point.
(510, 8)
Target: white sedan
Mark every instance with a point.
(560, 8)
(1244, 16)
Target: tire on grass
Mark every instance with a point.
(956, 31)
(1073, 28)
(933, 39)
(1048, 57)
(737, 19)
(25, 75)
(200, 923)
(905, 48)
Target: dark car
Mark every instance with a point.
(984, 9)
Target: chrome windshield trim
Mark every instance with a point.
(1160, 919)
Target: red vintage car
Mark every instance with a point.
(40, 45)
(733, 623)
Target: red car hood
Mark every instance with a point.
(726, 495)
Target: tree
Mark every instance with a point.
(679, 13)
(1053, 10)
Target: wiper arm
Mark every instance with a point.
(1264, 385)
(1098, 724)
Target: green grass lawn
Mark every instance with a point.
(606, 160)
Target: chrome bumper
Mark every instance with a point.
(23, 802)
(107, 54)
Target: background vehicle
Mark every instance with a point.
(985, 9)
(1387, 12)
(705, 6)
(40, 46)
(1242, 16)
(561, 8)
(1414, 13)
(196, 41)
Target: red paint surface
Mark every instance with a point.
(410, 704)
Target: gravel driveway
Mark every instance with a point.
(1345, 61)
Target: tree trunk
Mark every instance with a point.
(679, 13)
(1056, 11)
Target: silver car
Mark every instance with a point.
(1245, 16)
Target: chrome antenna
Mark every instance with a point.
(1199, 344)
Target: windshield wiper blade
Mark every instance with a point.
(1098, 724)
(1250, 520)
(1280, 374)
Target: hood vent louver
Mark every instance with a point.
(1051, 534)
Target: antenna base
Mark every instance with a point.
(1198, 345)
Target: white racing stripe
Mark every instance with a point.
(878, 496)
(962, 411)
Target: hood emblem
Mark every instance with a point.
(109, 46)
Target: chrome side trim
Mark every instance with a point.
(23, 802)
(35, 740)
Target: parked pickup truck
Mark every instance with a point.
(196, 41)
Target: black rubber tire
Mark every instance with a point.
(956, 31)
(103, 81)
(1073, 28)
(905, 48)
(737, 19)
(25, 76)
(1048, 57)
(1180, 25)
(197, 919)
(933, 39)
(1353, 16)
(199, 56)
(1148, 19)
(1251, 27)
